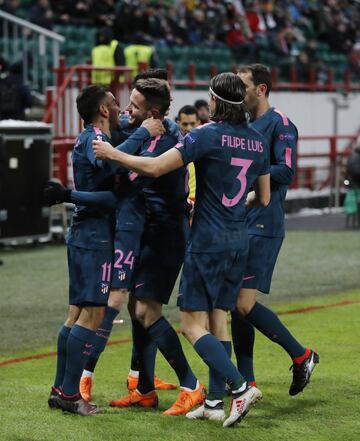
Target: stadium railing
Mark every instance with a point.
(318, 171)
(37, 48)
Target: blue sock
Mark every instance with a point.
(134, 365)
(146, 354)
(102, 336)
(78, 348)
(216, 381)
(215, 356)
(167, 341)
(269, 324)
(61, 355)
(243, 337)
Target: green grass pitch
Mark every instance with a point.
(313, 269)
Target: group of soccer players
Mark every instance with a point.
(130, 235)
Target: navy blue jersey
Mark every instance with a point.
(165, 197)
(281, 135)
(91, 227)
(90, 174)
(228, 158)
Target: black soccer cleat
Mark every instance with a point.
(52, 400)
(77, 405)
(302, 373)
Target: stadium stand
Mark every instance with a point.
(220, 32)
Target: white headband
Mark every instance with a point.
(223, 99)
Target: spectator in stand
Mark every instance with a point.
(238, 36)
(140, 51)
(106, 53)
(41, 14)
(354, 60)
(307, 60)
(15, 96)
(202, 109)
(81, 12)
(3, 68)
(105, 13)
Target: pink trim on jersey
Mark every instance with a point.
(284, 118)
(153, 143)
(97, 131)
(178, 145)
(248, 277)
(133, 176)
(288, 156)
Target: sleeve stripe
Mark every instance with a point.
(153, 143)
(283, 117)
(288, 156)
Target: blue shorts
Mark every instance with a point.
(126, 255)
(263, 252)
(161, 258)
(211, 280)
(89, 275)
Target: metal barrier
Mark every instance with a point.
(61, 100)
(36, 47)
(320, 161)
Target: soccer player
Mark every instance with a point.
(187, 120)
(161, 257)
(229, 158)
(130, 220)
(202, 109)
(266, 233)
(90, 253)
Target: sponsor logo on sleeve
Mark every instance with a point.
(286, 137)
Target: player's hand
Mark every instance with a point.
(55, 193)
(153, 126)
(250, 199)
(102, 149)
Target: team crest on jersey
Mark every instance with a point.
(104, 288)
(122, 275)
(98, 138)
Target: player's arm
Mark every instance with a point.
(284, 149)
(149, 128)
(147, 166)
(261, 195)
(55, 193)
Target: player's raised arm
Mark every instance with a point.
(153, 167)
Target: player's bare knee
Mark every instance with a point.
(117, 298)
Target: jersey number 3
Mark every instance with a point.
(244, 164)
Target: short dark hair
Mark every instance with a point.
(187, 110)
(260, 75)
(156, 93)
(160, 74)
(89, 100)
(200, 103)
(228, 86)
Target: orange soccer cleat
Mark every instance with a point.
(135, 398)
(85, 388)
(186, 401)
(163, 385)
(160, 384)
